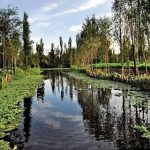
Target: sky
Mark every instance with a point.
(50, 19)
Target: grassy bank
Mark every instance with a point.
(142, 81)
(81, 75)
(23, 84)
(118, 65)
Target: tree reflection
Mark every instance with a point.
(101, 118)
(53, 82)
(105, 115)
(91, 103)
(62, 87)
(41, 92)
(27, 117)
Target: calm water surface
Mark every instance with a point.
(68, 113)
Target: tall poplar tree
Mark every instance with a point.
(26, 42)
(70, 50)
(61, 49)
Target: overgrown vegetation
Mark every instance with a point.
(142, 130)
(142, 82)
(118, 65)
(23, 84)
(128, 28)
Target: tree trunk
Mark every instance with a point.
(15, 64)
(134, 59)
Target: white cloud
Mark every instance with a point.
(44, 24)
(50, 7)
(84, 6)
(40, 15)
(33, 19)
(75, 28)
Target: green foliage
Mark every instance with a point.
(20, 73)
(10, 26)
(4, 145)
(143, 130)
(39, 53)
(88, 42)
(119, 65)
(96, 82)
(27, 43)
(111, 65)
(35, 71)
(23, 85)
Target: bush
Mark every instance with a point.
(19, 74)
(35, 71)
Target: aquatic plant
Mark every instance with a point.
(142, 130)
(22, 85)
(4, 145)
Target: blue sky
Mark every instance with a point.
(50, 19)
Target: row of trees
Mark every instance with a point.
(15, 43)
(16, 47)
(132, 29)
(63, 56)
(129, 27)
(93, 42)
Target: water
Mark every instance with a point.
(68, 113)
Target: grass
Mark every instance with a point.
(111, 65)
(23, 84)
(118, 65)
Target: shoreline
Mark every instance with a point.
(142, 82)
(10, 96)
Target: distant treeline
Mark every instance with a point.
(129, 28)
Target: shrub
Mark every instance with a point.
(35, 71)
(19, 74)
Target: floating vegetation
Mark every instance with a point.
(10, 96)
(4, 145)
(142, 130)
(98, 83)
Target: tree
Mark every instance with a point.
(88, 42)
(16, 46)
(40, 53)
(118, 9)
(10, 25)
(52, 56)
(61, 50)
(70, 50)
(131, 19)
(26, 42)
(105, 40)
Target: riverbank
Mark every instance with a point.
(137, 102)
(23, 84)
(142, 81)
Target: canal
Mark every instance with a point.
(73, 114)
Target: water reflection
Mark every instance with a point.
(62, 87)
(40, 92)
(27, 117)
(108, 114)
(21, 135)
